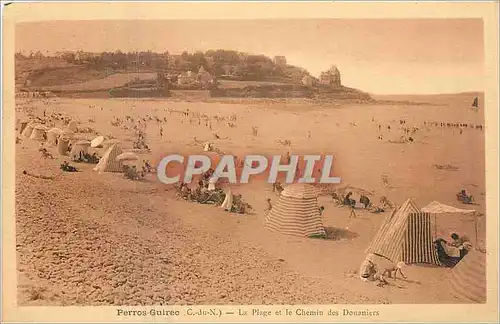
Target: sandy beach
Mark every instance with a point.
(86, 238)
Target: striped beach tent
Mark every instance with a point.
(468, 278)
(108, 161)
(405, 235)
(296, 212)
(106, 144)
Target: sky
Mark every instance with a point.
(384, 56)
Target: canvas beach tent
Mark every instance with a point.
(28, 130)
(108, 161)
(62, 146)
(53, 135)
(22, 127)
(436, 207)
(211, 184)
(67, 134)
(127, 156)
(72, 126)
(38, 133)
(227, 204)
(79, 148)
(448, 216)
(405, 235)
(296, 212)
(467, 281)
(475, 103)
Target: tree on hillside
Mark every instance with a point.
(196, 61)
(20, 56)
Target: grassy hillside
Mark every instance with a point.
(113, 81)
(52, 72)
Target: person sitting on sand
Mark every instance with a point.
(348, 201)
(456, 240)
(377, 210)
(277, 187)
(450, 253)
(464, 197)
(321, 210)
(365, 201)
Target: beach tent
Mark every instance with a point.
(452, 219)
(38, 133)
(53, 135)
(80, 147)
(108, 161)
(211, 184)
(28, 130)
(439, 208)
(405, 235)
(62, 146)
(72, 126)
(22, 126)
(67, 134)
(296, 212)
(468, 278)
(227, 204)
(127, 156)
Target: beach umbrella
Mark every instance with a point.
(97, 142)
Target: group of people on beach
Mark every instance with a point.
(451, 252)
(207, 193)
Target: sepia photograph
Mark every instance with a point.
(291, 161)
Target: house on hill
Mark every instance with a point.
(331, 78)
(204, 77)
(186, 78)
(308, 81)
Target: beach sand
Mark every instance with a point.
(99, 239)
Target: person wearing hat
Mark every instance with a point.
(456, 240)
